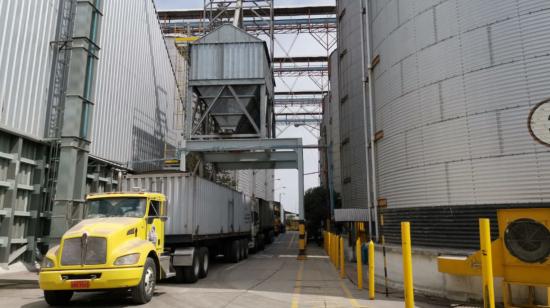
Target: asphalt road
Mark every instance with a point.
(272, 278)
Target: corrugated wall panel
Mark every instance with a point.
(26, 30)
(353, 163)
(476, 70)
(135, 95)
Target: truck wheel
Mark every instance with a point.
(204, 262)
(58, 298)
(143, 292)
(261, 243)
(235, 252)
(189, 274)
(244, 244)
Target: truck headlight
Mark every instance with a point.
(127, 259)
(47, 263)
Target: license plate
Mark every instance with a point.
(80, 284)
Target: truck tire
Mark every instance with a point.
(261, 242)
(58, 298)
(244, 244)
(143, 292)
(189, 274)
(204, 262)
(234, 252)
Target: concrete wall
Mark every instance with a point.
(429, 281)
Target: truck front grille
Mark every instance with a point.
(95, 249)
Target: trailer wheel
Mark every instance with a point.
(244, 244)
(204, 262)
(261, 242)
(58, 298)
(143, 292)
(234, 252)
(189, 274)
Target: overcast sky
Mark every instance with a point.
(303, 46)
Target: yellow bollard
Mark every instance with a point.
(371, 270)
(359, 264)
(407, 264)
(330, 247)
(486, 263)
(302, 241)
(330, 243)
(342, 269)
(336, 251)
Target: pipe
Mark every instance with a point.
(365, 130)
(372, 127)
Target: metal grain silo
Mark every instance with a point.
(453, 90)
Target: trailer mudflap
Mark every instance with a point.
(183, 256)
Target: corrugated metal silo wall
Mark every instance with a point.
(135, 97)
(354, 192)
(334, 122)
(26, 30)
(453, 91)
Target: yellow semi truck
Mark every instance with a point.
(130, 240)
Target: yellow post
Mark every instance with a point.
(371, 270)
(407, 264)
(302, 241)
(359, 263)
(342, 269)
(330, 247)
(486, 263)
(336, 251)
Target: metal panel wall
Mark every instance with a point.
(136, 92)
(179, 59)
(236, 61)
(453, 91)
(26, 30)
(257, 183)
(334, 122)
(354, 192)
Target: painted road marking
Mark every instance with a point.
(351, 299)
(297, 287)
(291, 240)
(309, 256)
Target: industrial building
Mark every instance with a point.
(137, 120)
(423, 110)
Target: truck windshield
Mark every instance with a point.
(115, 207)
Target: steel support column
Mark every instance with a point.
(70, 188)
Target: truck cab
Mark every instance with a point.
(118, 245)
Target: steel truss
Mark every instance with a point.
(262, 19)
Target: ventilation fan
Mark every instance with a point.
(528, 240)
(521, 253)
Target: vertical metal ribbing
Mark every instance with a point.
(70, 184)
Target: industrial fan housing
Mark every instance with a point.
(521, 254)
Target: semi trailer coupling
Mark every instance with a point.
(166, 225)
